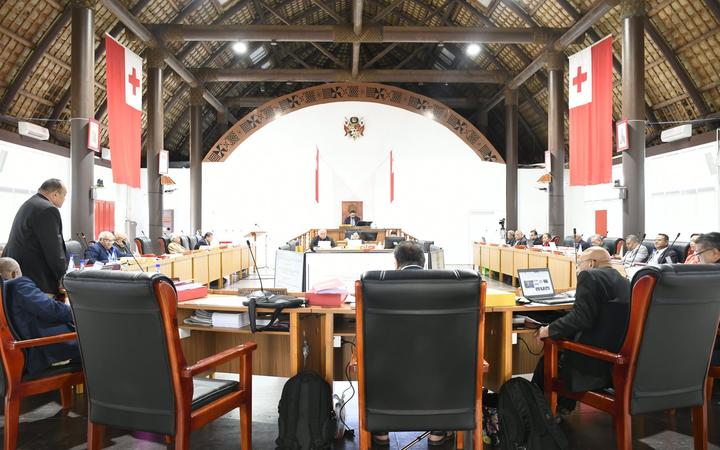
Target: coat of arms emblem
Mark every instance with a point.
(354, 127)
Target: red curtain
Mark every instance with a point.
(104, 216)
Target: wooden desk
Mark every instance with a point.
(183, 267)
(503, 260)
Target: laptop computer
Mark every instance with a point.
(536, 285)
(325, 245)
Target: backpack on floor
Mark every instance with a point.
(525, 418)
(306, 416)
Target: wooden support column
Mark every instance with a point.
(556, 143)
(196, 156)
(82, 88)
(511, 158)
(155, 134)
(633, 109)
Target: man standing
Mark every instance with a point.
(36, 237)
(637, 253)
(35, 316)
(662, 254)
(599, 318)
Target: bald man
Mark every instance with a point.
(35, 315)
(321, 236)
(599, 318)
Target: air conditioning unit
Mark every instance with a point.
(676, 133)
(34, 131)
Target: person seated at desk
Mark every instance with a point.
(534, 239)
(520, 238)
(596, 240)
(121, 245)
(103, 250)
(353, 219)
(206, 240)
(409, 256)
(578, 244)
(599, 318)
(321, 236)
(510, 237)
(36, 315)
(546, 240)
(662, 253)
(707, 249)
(692, 257)
(174, 246)
(636, 252)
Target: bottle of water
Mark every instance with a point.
(157, 267)
(71, 263)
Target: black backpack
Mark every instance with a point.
(525, 418)
(306, 415)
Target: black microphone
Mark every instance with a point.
(642, 239)
(575, 244)
(670, 248)
(261, 293)
(84, 240)
(77, 235)
(127, 249)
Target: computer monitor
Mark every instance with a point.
(364, 223)
(349, 233)
(368, 236)
(392, 241)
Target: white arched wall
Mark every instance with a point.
(443, 190)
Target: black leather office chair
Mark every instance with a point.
(185, 242)
(135, 371)
(74, 248)
(192, 242)
(16, 384)
(613, 244)
(163, 243)
(664, 361)
(144, 245)
(420, 346)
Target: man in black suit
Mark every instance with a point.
(599, 318)
(206, 240)
(352, 219)
(35, 316)
(662, 253)
(36, 237)
(534, 239)
(707, 249)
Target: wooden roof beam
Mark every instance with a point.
(42, 47)
(329, 10)
(254, 102)
(332, 75)
(714, 8)
(346, 33)
(677, 67)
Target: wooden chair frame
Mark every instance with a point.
(624, 367)
(13, 361)
(713, 373)
(186, 419)
(482, 366)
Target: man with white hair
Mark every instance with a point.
(121, 245)
(35, 315)
(103, 250)
(175, 246)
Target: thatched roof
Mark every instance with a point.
(681, 36)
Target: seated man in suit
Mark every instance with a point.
(205, 241)
(596, 240)
(599, 318)
(520, 238)
(636, 252)
(36, 315)
(121, 245)
(662, 253)
(321, 236)
(578, 243)
(103, 250)
(534, 239)
(352, 219)
(175, 246)
(510, 237)
(707, 249)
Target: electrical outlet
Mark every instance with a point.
(337, 341)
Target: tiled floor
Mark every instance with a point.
(44, 426)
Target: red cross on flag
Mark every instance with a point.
(590, 102)
(124, 102)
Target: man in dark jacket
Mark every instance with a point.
(35, 315)
(707, 249)
(103, 250)
(36, 237)
(205, 241)
(599, 318)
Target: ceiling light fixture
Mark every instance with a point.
(472, 50)
(240, 48)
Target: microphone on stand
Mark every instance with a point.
(575, 245)
(669, 247)
(84, 240)
(77, 235)
(127, 249)
(638, 249)
(261, 293)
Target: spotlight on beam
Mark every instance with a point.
(472, 50)
(240, 47)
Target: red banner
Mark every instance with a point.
(124, 102)
(590, 124)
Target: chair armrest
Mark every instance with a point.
(588, 350)
(217, 359)
(27, 343)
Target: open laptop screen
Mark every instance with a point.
(536, 282)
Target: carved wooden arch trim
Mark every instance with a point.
(357, 92)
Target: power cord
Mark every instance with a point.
(528, 347)
(349, 432)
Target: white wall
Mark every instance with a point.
(443, 190)
(681, 195)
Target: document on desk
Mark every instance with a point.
(220, 300)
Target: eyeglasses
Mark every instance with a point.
(701, 252)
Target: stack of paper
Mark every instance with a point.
(230, 320)
(200, 317)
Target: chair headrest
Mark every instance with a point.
(425, 275)
(129, 280)
(663, 271)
